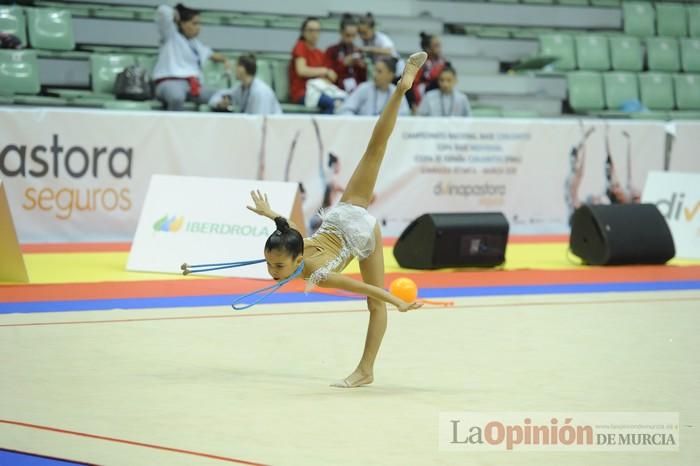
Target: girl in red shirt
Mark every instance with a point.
(345, 58)
(309, 62)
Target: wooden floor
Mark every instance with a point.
(205, 386)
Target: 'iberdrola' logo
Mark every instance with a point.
(171, 224)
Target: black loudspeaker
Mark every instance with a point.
(434, 241)
(621, 234)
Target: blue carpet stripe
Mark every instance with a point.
(428, 293)
(16, 458)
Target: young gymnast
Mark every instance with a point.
(347, 231)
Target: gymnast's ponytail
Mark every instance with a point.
(285, 238)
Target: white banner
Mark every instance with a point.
(205, 220)
(82, 175)
(677, 195)
(536, 172)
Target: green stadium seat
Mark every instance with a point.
(504, 1)
(662, 54)
(560, 46)
(620, 87)
(6, 99)
(638, 19)
(687, 88)
(626, 53)
(656, 90)
(671, 20)
(104, 70)
(585, 91)
(12, 21)
(50, 29)
(538, 2)
(592, 52)
(690, 55)
(215, 76)
(19, 72)
(694, 20)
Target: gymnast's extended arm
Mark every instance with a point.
(262, 207)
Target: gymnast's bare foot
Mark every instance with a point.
(410, 71)
(356, 379)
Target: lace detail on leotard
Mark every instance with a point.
(354, 227)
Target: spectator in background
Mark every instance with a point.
(445, 101)
(345, 58)
(178, 70)
(370, 97)
(377, 44)
(309, 62)
(250, 95)
(427, 78)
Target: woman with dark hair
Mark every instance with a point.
(345, 58)
(371, 97)
(347, 231)
(445, 101)
(428, 77)
(178, 70)
(310, 62)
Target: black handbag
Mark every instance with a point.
(133, 83)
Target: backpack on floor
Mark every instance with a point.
(133, 83)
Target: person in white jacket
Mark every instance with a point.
(250, 95)
(370, 98)
(178, 70)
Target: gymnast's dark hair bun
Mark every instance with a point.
(282, 225)
(285, 238)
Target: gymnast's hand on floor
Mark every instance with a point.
(410, 306)
(261, 204)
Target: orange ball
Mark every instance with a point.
(405, 289)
